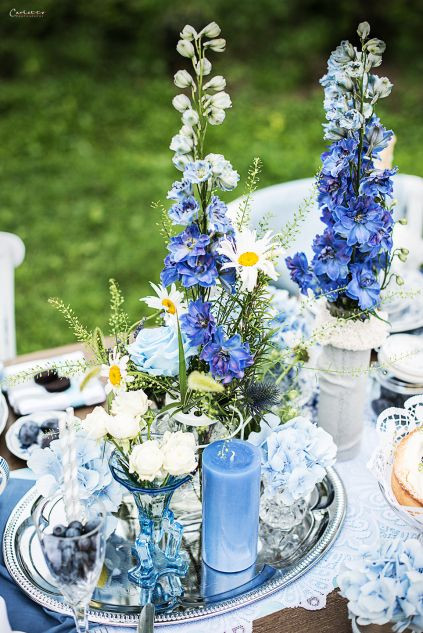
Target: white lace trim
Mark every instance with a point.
(348, 334)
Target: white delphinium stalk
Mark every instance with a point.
(183, 79)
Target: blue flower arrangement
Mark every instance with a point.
(295, 457)
(385, 584)
(353, 256)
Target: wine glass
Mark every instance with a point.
(73, 551)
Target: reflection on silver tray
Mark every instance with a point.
(206, 592)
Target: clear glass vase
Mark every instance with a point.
(284, 528)
(160, 563)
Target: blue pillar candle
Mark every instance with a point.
(231, 499)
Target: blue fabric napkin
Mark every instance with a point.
(24, 614)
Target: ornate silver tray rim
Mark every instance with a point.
(106, 617)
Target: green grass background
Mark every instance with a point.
(83, 154)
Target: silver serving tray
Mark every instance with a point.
(206, 593)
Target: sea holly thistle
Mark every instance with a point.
(353, 256)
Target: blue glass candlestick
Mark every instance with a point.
(231, 500)
(160, 563)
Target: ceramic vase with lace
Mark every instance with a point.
(343, 366)
(160, 563)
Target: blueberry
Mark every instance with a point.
(76, 524)
(68, 553)
(28, 434)
(52, 424)
(84, 544)
(71, 532)
(90, 525)
(59, 530)
(55, 560)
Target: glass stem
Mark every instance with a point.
(80, 615)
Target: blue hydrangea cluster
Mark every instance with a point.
(385, 584)
(353, 253)
(295, 456)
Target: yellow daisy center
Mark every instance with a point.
(115, 375)
(169, 306)
(248, 259)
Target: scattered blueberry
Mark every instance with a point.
(28, 434)
(52, 424)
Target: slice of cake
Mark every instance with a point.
(407, 471)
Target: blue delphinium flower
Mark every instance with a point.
(359, 220)
(217, 215)
(227, 358)
(184, 212)
(198, 171)
(300, 271)
(364, 286)
(189, 243)
(378, 183)
(201, 270)
(179, 190)
(332, 256)
(339, 156)
(198, 323)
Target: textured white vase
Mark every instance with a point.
(343, 392)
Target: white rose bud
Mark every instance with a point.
(211, 30)
(190, 117)
(218, 46)
(183, 79)
(363, 30)
(95, 423)
(185, 48)
(220, 100)
(181, 144)
(146, 460)
(121, 427)
(181, 161)
(218, 83)
(133, 404)
(188, 33)
(203, 67)
(181, 103)
(216, 116)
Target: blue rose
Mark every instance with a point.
(155, 351)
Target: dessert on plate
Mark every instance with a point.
(407, 471)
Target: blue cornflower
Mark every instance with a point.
(189, 243)
(198, 323)
(300, 271)
(216, 212)
(378, 183)
(179, 190)
(184, 212)
(363, 287)
(359, 220)
(332, 256)
(339, 156)
(227, 358)
(198, 171)
(200, 270)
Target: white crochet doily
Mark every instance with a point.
(392, 425)
(349, 334)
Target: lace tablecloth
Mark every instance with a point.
(368, 518)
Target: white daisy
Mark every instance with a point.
(116, 372)
(172, 303)
(249, 254)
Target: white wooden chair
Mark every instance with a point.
(278, 203)
(12, 253)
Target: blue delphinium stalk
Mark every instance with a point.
(352, 257)
(227, 358)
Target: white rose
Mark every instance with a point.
(133, 404)
(188, 33)
(181, 161)
(190, 117)
(185, 48)
(122, 427)
(218, 46)
(211, 30)
(182, 79)
(221, 100)
(179, 459)
(181, 103)
(218, 83)
(216, 116)
(146, 460)
(180, 438)
(181, 144)
(95, 424)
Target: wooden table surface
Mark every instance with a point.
(332, 619)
